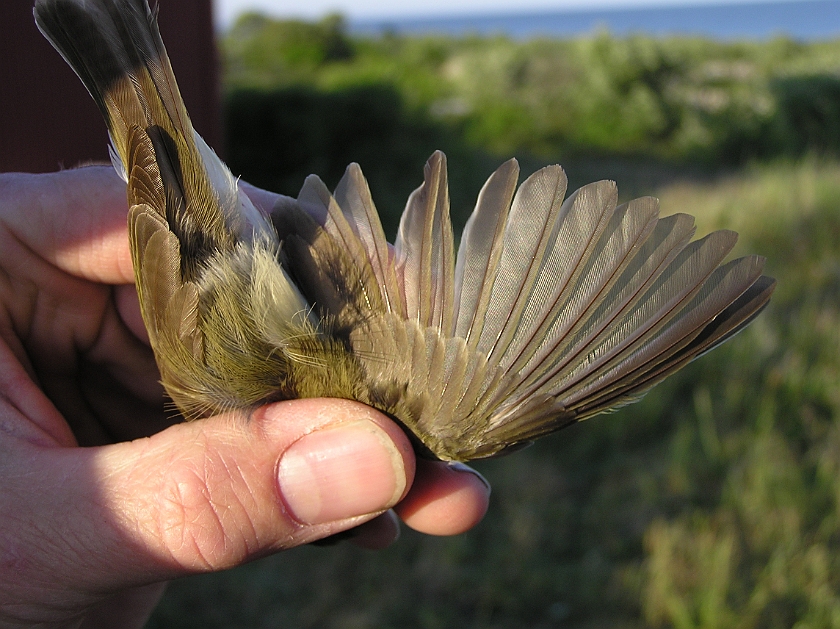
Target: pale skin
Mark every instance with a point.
(90, 535)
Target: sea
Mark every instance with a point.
(804, 20)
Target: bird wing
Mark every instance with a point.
(553, 310)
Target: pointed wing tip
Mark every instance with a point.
(437, 160)
(757, 260)
(647, 200)
(553, 173)
(508, 170)
(766, 284)
(603, 192)
(436, 170)
(312, 180)
(729, 235)
(722, 240)
(352, 179)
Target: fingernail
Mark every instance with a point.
(342, 472)
(466, 469)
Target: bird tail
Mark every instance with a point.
(116, 49)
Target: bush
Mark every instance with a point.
(679, 99)
(275, 139)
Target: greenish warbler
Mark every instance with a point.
(551, 310)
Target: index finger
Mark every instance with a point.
(74, 219)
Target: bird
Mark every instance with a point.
(552, 309)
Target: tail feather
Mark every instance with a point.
(116, 49)
(111, 44)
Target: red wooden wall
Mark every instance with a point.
(48, 120)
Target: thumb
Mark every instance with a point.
(211, 494)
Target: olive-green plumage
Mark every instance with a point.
(552, 310)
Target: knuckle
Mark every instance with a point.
(202, 516)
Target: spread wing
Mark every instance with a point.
(553, 310)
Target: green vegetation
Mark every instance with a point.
(673, 98)
(715, 501)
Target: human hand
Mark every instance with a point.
(88, 535)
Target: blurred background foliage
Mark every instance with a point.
(715, 501)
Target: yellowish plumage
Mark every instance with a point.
(553, 309)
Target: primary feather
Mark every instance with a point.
(553, 309)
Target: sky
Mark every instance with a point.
(227, 10)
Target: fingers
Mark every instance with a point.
(75, 219)
(128, 307)
(211, 494)
(200, 496)
(355, 468)
(446, 498)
